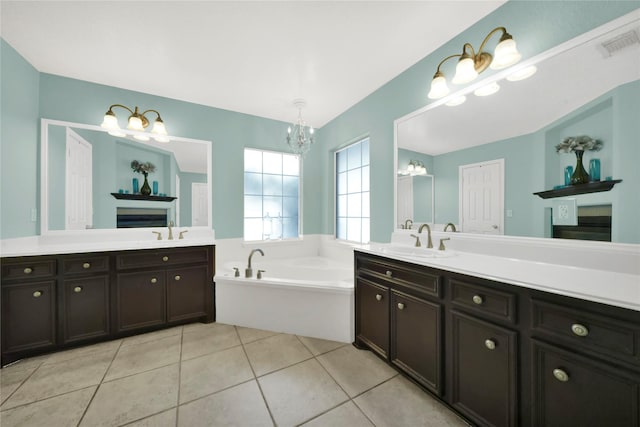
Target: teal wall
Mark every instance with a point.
(536, 25)
(423, 186)
(19, 136)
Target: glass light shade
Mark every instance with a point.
(439, 88)
(135, 123)
(465, 71)
(522, 74)
(411, 167)
(117, 132)
(158, 127)
(141, 137)
(456, 101)
(487, 90)
(505, 55)
(161, 138)
(110, 122)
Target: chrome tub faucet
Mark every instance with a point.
(248, 272)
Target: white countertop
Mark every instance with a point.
(84, 241)
(607, 287)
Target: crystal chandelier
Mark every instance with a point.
(297, 137)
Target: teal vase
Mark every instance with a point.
(580, 175)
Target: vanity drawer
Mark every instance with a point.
(588, 330)
(403, 274)
(25, 268)
(85, 264)
(483, 300)
(159, 257)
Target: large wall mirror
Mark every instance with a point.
(589, 85)
(87, 180)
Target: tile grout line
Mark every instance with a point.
(179, 376)
(18, 388)
(255, 378)
(84, 413)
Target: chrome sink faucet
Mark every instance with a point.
(248, 272)
(429, 242)
(453, 227)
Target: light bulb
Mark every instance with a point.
(135, 123)
(439, 88)
(505, 55)
(110, 121)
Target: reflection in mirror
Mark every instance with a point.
(88, 180)
(580, 88)
(414, 189)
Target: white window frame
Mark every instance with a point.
(300, 183)
(356, 141)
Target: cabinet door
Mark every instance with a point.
(574, 390)
(483, 376)
(28, 316)
(85, 308)
(416, 339)
(140, 300)
(186, 293)
(372, 316)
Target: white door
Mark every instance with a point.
(405, 199)
(78, 183)
(199, 202)
(482, 197)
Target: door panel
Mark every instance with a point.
(482, 197)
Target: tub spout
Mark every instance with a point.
(248, 272)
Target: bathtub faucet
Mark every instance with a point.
(248, 272)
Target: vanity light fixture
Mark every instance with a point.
(415, 167)
(471, 63)
(297, 137)
(138, 122)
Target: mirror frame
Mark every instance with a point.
(44, 171)
(599, 31)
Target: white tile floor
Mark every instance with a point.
(214, 375)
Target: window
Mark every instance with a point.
(271, 195)
(352, 192)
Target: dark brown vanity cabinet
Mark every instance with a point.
(140, 299)
(398, 316)
(500, 354)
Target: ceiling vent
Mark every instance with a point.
(620, 42)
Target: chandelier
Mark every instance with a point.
(297, 137)
(137, 121)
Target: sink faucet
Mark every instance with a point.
(170, 237)
(453, 227)
(429, 242)
(417, 240)
(248, 272)
(407, 224)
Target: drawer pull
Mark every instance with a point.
(86, 265)
(400, 306)
(477, 299)
(77, 289)
(490, 344)
(389, 273)
(561, 375)
(177, 277)
(28, 270)
(37, 294)
(165, 258)
(379, 297)
(579, 330)
(154, 280)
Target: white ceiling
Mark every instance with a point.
(250, 57)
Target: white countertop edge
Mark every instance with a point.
(444, 264)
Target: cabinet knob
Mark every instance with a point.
(165, 258)
(490, 344)
(400, 306)
(389, 273)
(379, 297)
(28, 270)
(37, 294)
(77, 289)
(477, 299)
(177, 277)
(561, 375)
(86, 265)
(154, 280)
(579, 330)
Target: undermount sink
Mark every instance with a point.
(418, 252)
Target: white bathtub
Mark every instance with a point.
(310, 296)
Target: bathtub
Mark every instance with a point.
(310, 296)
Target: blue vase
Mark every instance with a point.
(136, 186)
(594, 169)
(568, 171)
(155, 188)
